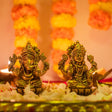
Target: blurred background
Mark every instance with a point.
(97, 43)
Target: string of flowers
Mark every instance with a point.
(62, 22)
(24, 14)
(100, 14)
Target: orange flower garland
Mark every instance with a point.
(62, 34)
(100, 14)
(24, 14)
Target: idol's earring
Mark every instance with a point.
(26, 25)
(62, 22)
(100, 12)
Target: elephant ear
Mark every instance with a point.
(12, 62)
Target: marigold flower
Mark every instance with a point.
(30, 33)
(22, 41)
(64, 6)
(63, 20)
(23, 10)
(62, 33)
(61, 44)
(101, 6)
(94, 7)
(96, 1)
(27, 22)
(106, 6)
(100, 19)
(24, 2)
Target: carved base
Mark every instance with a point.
(35, 90)
(80, 88)
(83, 91)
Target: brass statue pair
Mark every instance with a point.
(79, 78)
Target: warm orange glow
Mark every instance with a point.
(5, 70)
